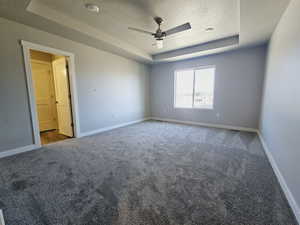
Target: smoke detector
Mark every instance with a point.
(92, 7)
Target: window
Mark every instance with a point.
(194, 88)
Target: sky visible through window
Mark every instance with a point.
(194, 88)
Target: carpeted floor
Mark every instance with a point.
(152, 173)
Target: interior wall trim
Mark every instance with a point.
(112, 127)
(288, 194)
(19, 150)
(28, 148)
(206, 124)
(35, 146)
(27, 46)
(1, 218)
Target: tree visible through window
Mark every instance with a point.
(194, 88)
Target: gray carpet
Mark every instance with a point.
(152, 173)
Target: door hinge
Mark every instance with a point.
(72, 124)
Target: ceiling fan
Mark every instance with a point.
(159, 35)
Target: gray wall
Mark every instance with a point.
(238, 88)
(280, 118)
(111, 89)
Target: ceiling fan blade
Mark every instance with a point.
(178, 29)
(140, 30)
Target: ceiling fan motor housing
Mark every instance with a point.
(158, 20)
(159, 35)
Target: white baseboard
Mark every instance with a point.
(111, 127)
(34, 147)
(288, 194)
(19, 150)
(205, 124)
(1, 218)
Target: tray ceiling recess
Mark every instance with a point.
(216, 25)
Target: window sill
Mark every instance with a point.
(195, 108)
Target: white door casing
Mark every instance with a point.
(27, 46)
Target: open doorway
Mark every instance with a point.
(70, 79)
(51, 84)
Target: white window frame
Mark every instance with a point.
(194, 69)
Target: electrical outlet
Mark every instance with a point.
(1, 218)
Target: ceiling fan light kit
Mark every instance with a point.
(159, 43)
(159, 35)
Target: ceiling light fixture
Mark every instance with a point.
(92, 7)
(159, 43)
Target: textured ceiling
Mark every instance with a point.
(237, 23)
(116, 15)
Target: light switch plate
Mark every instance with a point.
(1, 218)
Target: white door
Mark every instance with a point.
(63, 100)
(44, 94)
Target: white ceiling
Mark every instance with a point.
(241, 22)
(116, 15)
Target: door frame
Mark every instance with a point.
(70, 57)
